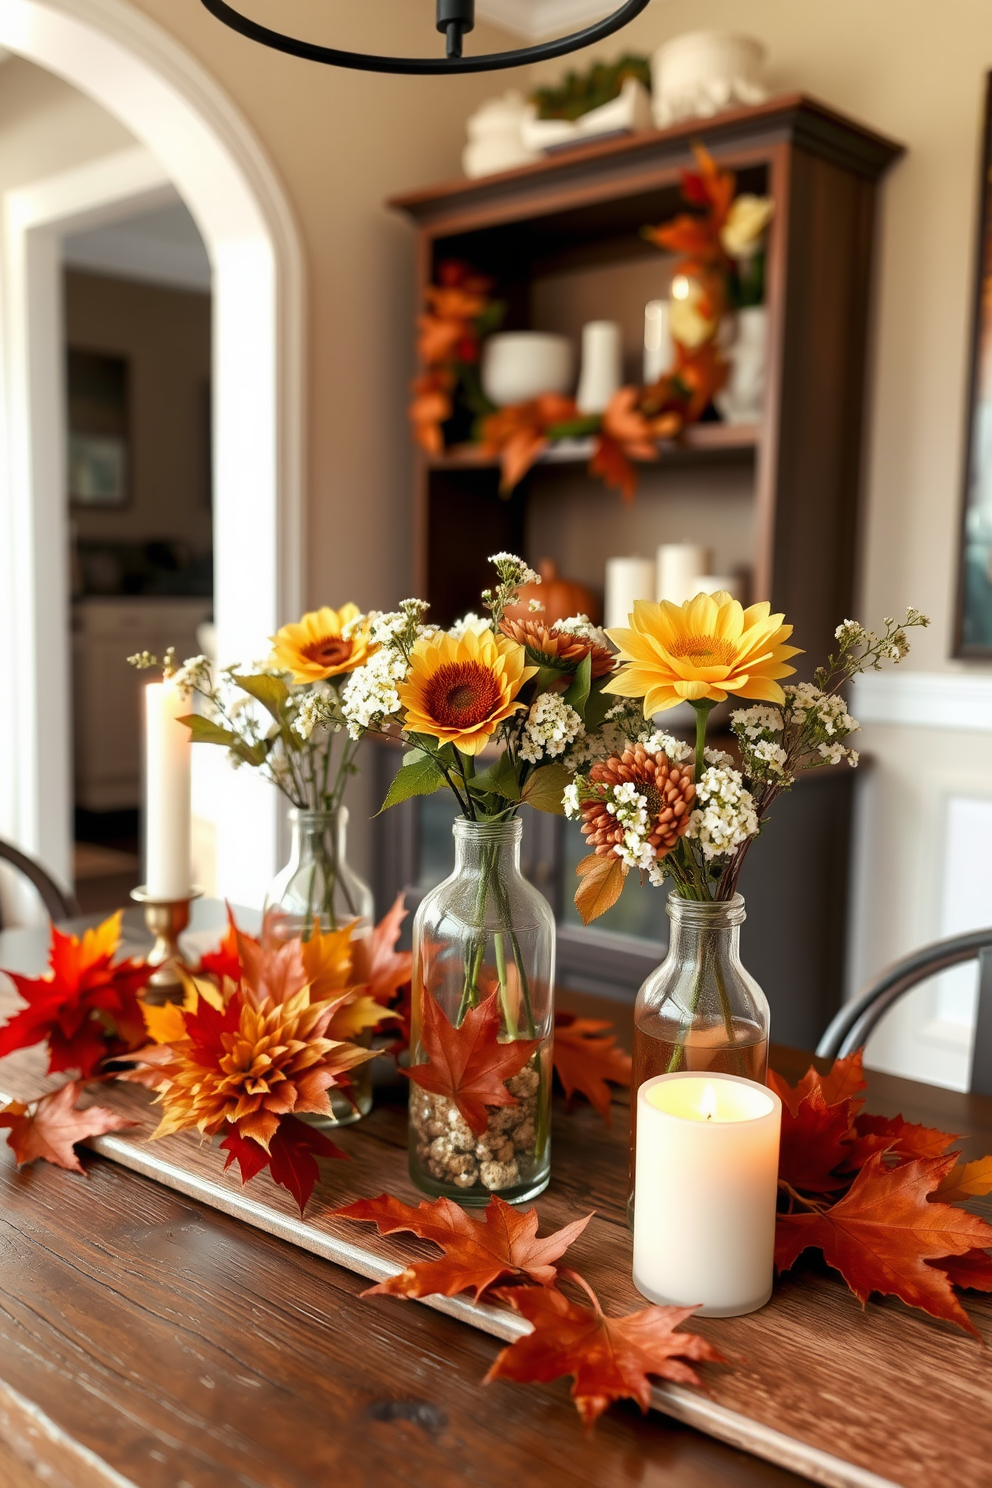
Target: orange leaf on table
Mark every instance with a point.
(50, 1127)
(477, 1253)
(388, 969)
(844, 1081)
(814, 1143)
(900, 1139)
(608, 1358)
(966, 1181)
(87, 1007)
(586, 1057)
(881, 1234)
(602, 884)
(225, 961)
(276, 973)
(973, 1270)
(469, 1064)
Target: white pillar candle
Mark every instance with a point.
(680, 567)
(627, 579)
(731, 584)
(705, 1185)
(167, 793)
(659, 350)
(602, 365)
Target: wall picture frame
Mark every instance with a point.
(99, 464)
(973, 630)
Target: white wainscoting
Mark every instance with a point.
(952, 700)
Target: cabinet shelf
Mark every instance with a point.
(700, 439)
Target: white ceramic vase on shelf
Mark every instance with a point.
(742, 399)
(520, 365)
(602, 366)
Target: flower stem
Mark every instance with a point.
(703, 708)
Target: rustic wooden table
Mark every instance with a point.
(148, 1340)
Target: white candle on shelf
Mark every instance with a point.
(659, 350)
(602, 365)
(705, 1185)
(680, 567)
(731, 584)
(627, 579)
(167, 793)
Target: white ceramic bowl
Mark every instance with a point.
(703, 72)
(520, 365)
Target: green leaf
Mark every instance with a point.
(416, 778)
(205, 731)
(548, 678)
(545, 788)
(271, 692)
(598, 706)
(578, 694)
(503, 779)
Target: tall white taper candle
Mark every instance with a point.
(680, 566)
(705, 1185)
(167, 793)
(627, 579)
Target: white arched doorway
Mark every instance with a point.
(194, 139)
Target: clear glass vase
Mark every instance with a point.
(484, 945)
(319, 884)
(700, 1009)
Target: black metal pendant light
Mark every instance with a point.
(455, 18)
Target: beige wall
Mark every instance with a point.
(164, 335)
(46, 126)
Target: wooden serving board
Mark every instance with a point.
(847, 1397)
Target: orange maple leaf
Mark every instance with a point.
(469, 1064)
(608, 1358)
(225, 961)
(50, 1127)
(291, 1156)
(476, 1253)
(881, 1234)
(966, 1181)
(900, 1139)
(519, 434)
(845, 1080)
(87, 1007)
(387, 970)
(814, 1144)
(586, 1057)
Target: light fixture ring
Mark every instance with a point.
(426, 66)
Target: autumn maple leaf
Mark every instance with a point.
(225, 961)
(87, 1008)
(881, 1234)
(973, 1270)
(586, 1057)
(50, 1127)
(608, 1358)
(291, 1157)
(477, 1253)
(900, 1139)
(814, 1144)
(966, 1181)
(844, 1081)
(469, 1064)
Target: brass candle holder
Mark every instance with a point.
(166, 919)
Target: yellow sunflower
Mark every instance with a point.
(460, 689)
(317, 646)
(701, 651)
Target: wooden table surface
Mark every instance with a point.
(146, 1339)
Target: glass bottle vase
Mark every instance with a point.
(318, 884)
(483, 968)
(699, 1010)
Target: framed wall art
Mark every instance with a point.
(974, 607)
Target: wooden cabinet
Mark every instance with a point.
(107, 692)
(779, 499)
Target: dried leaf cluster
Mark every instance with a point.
(608, 1358)
(878, 1197)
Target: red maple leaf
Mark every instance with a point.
(844, 1081)
(814, 1143)
(608, 1358)
(291, 1157)
(586, 1057)
(468, 1064)
(900, 1139)
(225, 961)
(881, 1234)
(50, 1127)
(477, 1253)
(87, 1008)
(973, 1270)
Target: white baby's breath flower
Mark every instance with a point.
(193, 675)
(851, 633)
(581, 625)
(477, 624)
(571, 803)
(725, 815)
(513, 570)
(369, 696)
(552, 725)
(535, 607)
(661, 743)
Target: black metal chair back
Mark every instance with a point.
(855, 1021)
(60, 906)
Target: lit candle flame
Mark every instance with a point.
(707, 1102)
(680, 287)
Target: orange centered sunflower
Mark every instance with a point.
(702, 650)
(460, 689)
(325, 643)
